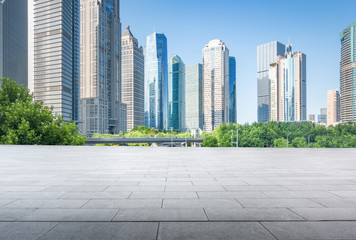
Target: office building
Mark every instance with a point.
(333, 107)
(322, 117)
(266, 55)
(347, 74)
(288, 99)
(232, 91)
(311, 118)
(215, 85)
(56, 56)
(133, 80)
(176, 94)
(100, 70)
(14, 41)
(156, 81)
(194, 98)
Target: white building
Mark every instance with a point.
(215, 85)
(333, 107)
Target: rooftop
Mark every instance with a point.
(176, 193)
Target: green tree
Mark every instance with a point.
(280, 143)
(27, 122)
(210, 141)
(300, 142)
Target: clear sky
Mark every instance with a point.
(313, 27)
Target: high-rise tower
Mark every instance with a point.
(348, 74)
(194, 98)
(132, 80)
(56, 56)
(215, 85)
(232, 91)
(13, 41)
(156, 81)
(100, 70)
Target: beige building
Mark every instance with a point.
(288, 87)
(215, 85)
(101, 109)
(132, 72)
(333, 107)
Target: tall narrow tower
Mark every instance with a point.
(100, 71)
(56, 56)
(13, 41)
(215, 85)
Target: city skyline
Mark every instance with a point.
(299, 33)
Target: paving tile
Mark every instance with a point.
(195, 189)
(330, 214)
(279, 203)
(75, 188)
(95, 195)
(5, 202)
(159, 214)
(21, 188)
(251, 214)
(213, 231)
(300, 194)
(47, 203)
(345, 194)
(78, 215)
(103, 231)
(199, 203)
(253, 188)
(224, 195)
(135, 189)
(163, 195)
(312, 230)
(336, 202)
(124, 203)
(32, 195)
(24, 230)
(165, 184)
(13, 214)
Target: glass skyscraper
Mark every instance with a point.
(348, 74)
(56, 56)
(266, 55)
(100, 73)
(176, 94)
(194, 97)
(156, 81)
(232, 91)
(13, 41)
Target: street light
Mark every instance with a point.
(237, 138)
(288, 139)
(171, 136)
(309, 140)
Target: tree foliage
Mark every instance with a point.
(27, 122)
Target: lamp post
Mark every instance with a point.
(237, 138)
(309, 140)
(288, 139)
(185, 134)
(171, 136)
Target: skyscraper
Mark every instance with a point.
(215, 85)
(133, 80)
(232, 91)
(194, 97)
(176, 94)
(156, 81)
(266, 55)
(288, 99)
(100, 71)
(311, 118)
(333, 107)
(348, 74)
(56, 56)
(322, 117)
(13, 41)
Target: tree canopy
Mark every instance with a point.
(24, 121)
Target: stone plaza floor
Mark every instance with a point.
(105, 193)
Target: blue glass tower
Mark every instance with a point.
(176, 94)
(232, 91)
(156, 81)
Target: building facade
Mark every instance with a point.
(333, 107)
(288, 98)
(311, 118)
(266, 55)
(133, 84)
(156, 81)
(176, 94)
(100, 68)
(194, 98)
(56, 56)
(322, 117)
(14, 41)
(348, 75)
(215, 85)
(232, 91)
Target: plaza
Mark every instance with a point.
(148, 193)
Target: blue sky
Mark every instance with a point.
(313, 27)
